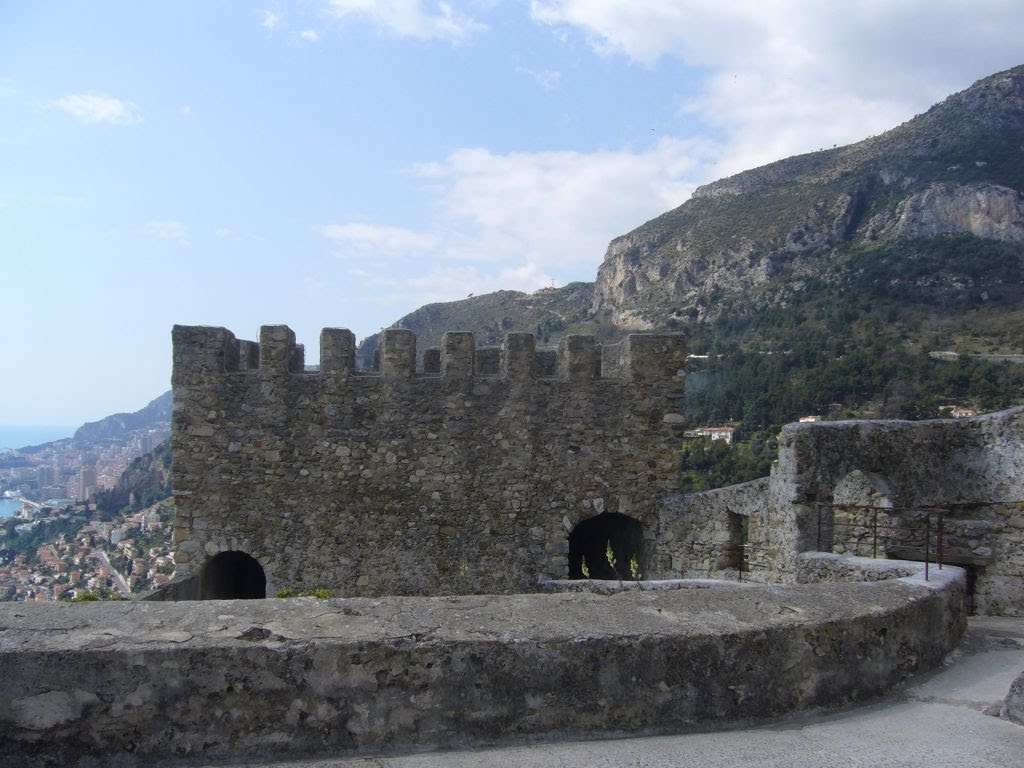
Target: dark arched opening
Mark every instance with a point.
(232, 576)
(609, 546)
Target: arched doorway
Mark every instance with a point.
(608, 546)
(232, 576)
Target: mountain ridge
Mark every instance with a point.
(156, 412)
(848, 265)
(744, 230)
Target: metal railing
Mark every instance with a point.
(744, 561)
(931, 519)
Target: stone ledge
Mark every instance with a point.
(139, 683)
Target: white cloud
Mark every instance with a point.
(519, 220)
(270, 20)
(174, 231)
(864, 37)
(309, 35)
(378, 240)
(407, 18)
(557, 210)
(548, 79)
(789, 76)
(92, 107)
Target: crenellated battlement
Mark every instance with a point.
(463, 475)
(209, 350)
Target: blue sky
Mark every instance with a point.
(343, 162)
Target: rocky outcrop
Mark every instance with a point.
(983, 210)
(146, 480)
(649, 277)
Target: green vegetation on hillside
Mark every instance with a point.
(27, 541)
(711, 464)
(854, 341)
(765, 391)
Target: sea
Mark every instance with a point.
(19, 436)
(8, 507)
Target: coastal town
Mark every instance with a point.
(70, 528)
(81, 557)
(73, 469)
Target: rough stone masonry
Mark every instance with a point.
(465, 477)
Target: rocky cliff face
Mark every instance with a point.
(983, 210)
(957, 170)
(145, 481)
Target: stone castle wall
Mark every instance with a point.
(466, 477)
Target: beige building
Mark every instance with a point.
(86, 481)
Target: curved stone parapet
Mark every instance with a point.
(139, 682)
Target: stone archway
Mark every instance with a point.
(232, 576)
(608, 546)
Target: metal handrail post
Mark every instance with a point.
(927, 541)
(874, 535)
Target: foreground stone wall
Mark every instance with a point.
(134, 683)
(464, 478)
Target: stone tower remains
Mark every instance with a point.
(466, 477)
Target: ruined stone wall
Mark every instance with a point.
(867, 488)
(703, 535)
(972, 469)
(463, 478)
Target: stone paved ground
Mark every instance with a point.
(942, 719)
